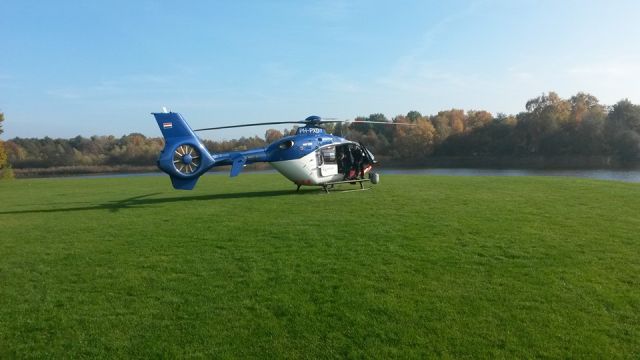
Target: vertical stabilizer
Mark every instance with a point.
(184, 157)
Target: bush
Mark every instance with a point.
(7, 173)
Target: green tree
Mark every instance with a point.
(586, 125)
(537, 130)
(3, 156)
(623, 130)
(363, 127)
(414, 116)
(5, 168)
(329, 128)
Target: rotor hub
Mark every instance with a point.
(313, 119)
(187, 159)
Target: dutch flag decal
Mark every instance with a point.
(167, 125)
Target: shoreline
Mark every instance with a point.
(569, 163)
(625, 175)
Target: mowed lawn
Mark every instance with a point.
(419, 266)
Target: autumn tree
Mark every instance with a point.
(447, 123)
(414, 142)
(550, 126)
(272, 135)
(584, 107)
(478, 119)
(288, 132)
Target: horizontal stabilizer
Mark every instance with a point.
(238, 164)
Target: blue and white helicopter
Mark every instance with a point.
(310, 157)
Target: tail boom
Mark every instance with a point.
(184, 157)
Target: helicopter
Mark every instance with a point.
(311, 157)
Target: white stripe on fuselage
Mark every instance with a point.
(304, 171)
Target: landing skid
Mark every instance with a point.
(351, 190)
(330, 185)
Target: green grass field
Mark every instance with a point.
(419, 266)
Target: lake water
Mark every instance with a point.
(618, 175)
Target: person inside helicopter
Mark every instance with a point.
(358, 162)
(340, 159)
(351, 161)
(347, 161)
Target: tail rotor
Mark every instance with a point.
(184, 157)
(187, 159)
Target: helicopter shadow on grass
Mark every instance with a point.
(146, 200)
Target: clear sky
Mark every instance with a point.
(100, 67)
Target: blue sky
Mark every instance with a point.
(100, 67)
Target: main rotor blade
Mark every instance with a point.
(256, 124)
(303, 122)
(377, 122)
(363, 122)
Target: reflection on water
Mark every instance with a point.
(621, 175)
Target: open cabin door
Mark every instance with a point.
(368, 155)
(327, 161)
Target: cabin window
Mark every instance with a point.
(328, 154)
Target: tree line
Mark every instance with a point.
(549, 127)
(6, 172)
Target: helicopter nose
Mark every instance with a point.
(187, 159)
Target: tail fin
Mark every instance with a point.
(184, 157)
(173, 125)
